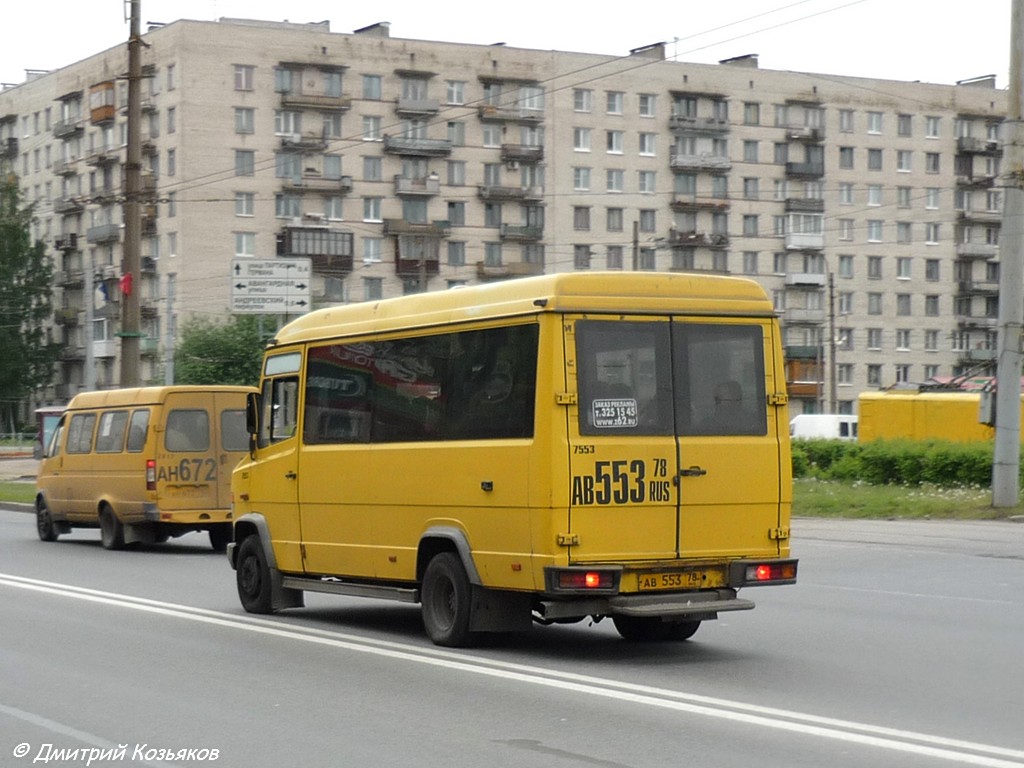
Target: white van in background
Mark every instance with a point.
(831, 426)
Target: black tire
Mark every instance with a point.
(252, 576)
(641, 629)
(45, 526)
(220, 536)
(111, 530)
(447, 599)
(682, 630)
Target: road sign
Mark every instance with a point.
(270, 286)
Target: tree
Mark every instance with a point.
(219, 353)
(26, 277)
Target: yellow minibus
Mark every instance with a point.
(545, 449)
(143, 464)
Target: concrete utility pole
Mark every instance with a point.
(1006, 464)
(131, 315)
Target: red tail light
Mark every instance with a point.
(150, 474)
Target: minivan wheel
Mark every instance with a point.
(447, 601)
(220, 536)
(652, 629)
(252, 576)
(111, 530)
(45, 526)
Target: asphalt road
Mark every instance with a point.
(900, 646)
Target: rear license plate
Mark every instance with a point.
(651, 582)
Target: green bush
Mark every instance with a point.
(896, 462)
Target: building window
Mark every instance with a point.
(581, 139)
(845, 265)
(874, 122)
(456, 173)
(581, 179)
(614, 102)
(750, 151)
(903, 232)
(750, 259)
(245, 162)
(931, 127)
(931, 198)
(581, 256)
(372, 87)
(371, 128)
(931, 233)
(750, 188)
(931, 341)
(874, 194)
(751, 113)
(903, 267)
(648, 103)
(455, 92)
(582, 99)
(372, 209)
(875, 230)
(580, 218)
(456, 253)
(903, 197)
(244, 75)
(846, 120)
(931, 162)
(287, 206)
(647, 143)
(846, 157)
(457, 214)
(614, 257)
(645, 181)
(749, 225)
(845, 193)
(245, 243)
(457, 133)
(903, 304)
(780, 153)
(874, 267)
(648, 220)
(931, 305)
(874, 159)
(615, 179)
(492, 214)
(875, 304)
(904, 160)
(614, 219)
(931, 270)
(845, 303)
(615, 142)
(245, 204)
(373, 248)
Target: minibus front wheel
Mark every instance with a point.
(447, 599)
(45, 527)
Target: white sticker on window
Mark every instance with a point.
(609, 413)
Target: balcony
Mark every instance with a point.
(813, 170)
(66, 317)
(976, 251)
(66, 167)
(976, 321)
(66, 205)
(440, 228)
(72, 353)
(406, 187)
(69, 278)
(149, 346)
(971, 145)
(400, 145)
(106, 348)
(103, 233)
(693, 239)
(978, 287)
(979, 217)
(496, 192)
(504, 271)
(700, 125)
(514, 114)
(805, 241)
(417, 107)
(67, 242)
(521, 153)
(521, 232)
(704, 161)
(310, 141)
(292, 100)
(803, 316)
(693, 203)
(8, 148)
(329, 250)
(970, 181)
(314, 182)
(65, 129)
(806, 279)
(805, 133)
(102, 155)
(804, 205)
(978, 355)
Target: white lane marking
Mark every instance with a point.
(893, 739)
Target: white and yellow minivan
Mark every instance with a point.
(542, 449)
(143, 464)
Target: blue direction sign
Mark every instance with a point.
(270, 286)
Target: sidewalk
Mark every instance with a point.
(18, 468)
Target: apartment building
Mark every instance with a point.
(869, 209)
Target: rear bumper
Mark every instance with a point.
(702, 605)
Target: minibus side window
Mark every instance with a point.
(80, 432)
(471, 385)
(110, 436)
(719, 375)
(233, 436)
(137, 431)
(188, 430)
(56, 439)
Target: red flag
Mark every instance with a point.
(126, 284)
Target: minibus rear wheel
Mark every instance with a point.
(252, 576)
(446, 601)
(652, 629)
(111, 530)
(45, 526)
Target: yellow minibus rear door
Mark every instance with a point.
(674, 451)
(186, 462)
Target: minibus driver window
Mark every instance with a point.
(280, 415)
